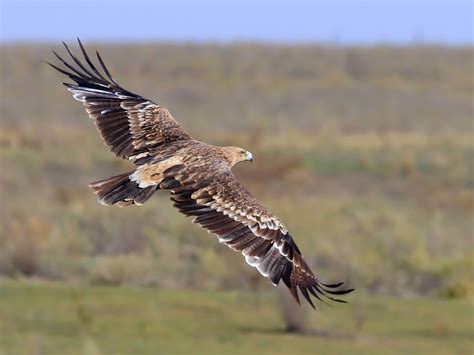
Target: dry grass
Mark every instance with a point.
(365, 153)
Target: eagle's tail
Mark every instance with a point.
(122, 191)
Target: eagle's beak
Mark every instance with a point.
(250, 156)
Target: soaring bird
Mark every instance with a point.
(197, 175)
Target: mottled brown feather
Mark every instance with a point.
(245, 225)
(132, 126)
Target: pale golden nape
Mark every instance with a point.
(236, 155)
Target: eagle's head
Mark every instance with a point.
(235, 155)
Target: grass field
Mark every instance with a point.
(366, 154)
(50, 318)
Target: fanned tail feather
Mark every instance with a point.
(120, 190)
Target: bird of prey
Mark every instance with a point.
(197, 175)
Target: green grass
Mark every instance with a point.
(48, 318)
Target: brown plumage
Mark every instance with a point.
(198, 176)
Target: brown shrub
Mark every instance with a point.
(24, 256)
(293, 315)
(123, 269)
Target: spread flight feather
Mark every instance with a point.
(198, 176)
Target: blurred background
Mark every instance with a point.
(360, 118)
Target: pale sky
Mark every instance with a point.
(342, 22)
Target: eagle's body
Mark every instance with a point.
(197, 175)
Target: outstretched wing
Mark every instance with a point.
(222, 205)
(133, 127)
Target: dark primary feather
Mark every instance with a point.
(132, 126)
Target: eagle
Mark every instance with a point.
(198, 177)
